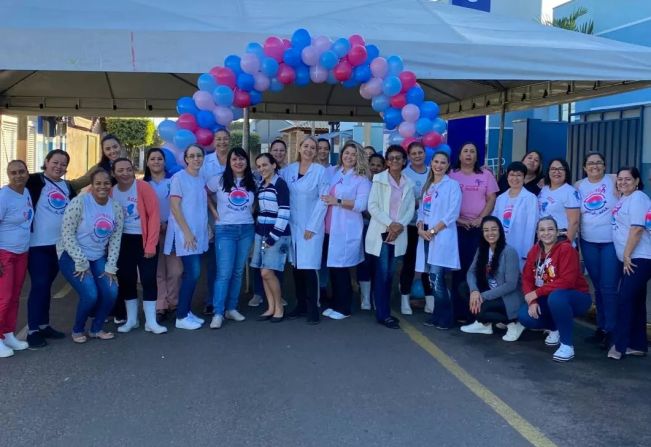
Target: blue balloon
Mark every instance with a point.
(275, 85)
(186, 104)
(300, 39)
(233, 62)
(429, 109)
(245, 81)
(206, 119)
(341, 47)
(440, 125)
(423, 125)
(184, 138)
(429, 154)
(302, 75)
(206, 82)
(391, 85)
(395, 65)
(380, 103)
(396, 138)
(292, 57)
(167, 130)
(350, 83)
(392, 117)
(223, 96)
(256, 96)
(372, 52)
(329, 59)
(269, 67)
(362, 73)
(331, 78)
(443, 148)
(237, 113)
(255, 48)
(171, 166)
(415, 95)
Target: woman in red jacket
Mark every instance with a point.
(555, 289)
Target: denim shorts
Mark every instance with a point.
(272, 258)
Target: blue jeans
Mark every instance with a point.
(232, 247)
(95, 293)
(191, 274)
(630, 330)
(384, 269)
(43, 267)
(557, 312)
(443, 315)
(605, 271)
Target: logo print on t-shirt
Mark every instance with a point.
(27, 214)
(594, 201)
(103, 227)
(427, 204)
(506, 217)
(238, 197)
(130, 209)
(647, 220)
(57, 200)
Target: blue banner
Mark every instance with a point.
(482, 5)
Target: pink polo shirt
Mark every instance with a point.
(396, 196)
(475, 189)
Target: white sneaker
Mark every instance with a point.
(405, 308)
(327, 312)
(337, 315)
(234, 315)
(12, 342)
(513, 331)
(187, 323)
(5, 351)
(429, 304)
(477, 328)
(255, 301)
(195, 318)
(500, 326)
(216, 322)
(553, 338)
(564, 353)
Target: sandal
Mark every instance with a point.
(79, 337)
(102, 335)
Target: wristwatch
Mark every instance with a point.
(339, 202)
(433, 231)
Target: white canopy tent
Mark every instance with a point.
(136, 57)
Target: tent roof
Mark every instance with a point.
(136, 57)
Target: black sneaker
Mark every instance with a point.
(50, 332)
(36, 340)
(209, 310)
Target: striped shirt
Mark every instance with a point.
(273, 210)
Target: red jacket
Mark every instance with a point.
(561, 270)
(149, 212)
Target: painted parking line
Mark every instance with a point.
(519, 424)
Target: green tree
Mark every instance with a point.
(254, 141)
(570, 22)
(134, 133)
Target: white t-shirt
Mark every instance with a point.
(162, 190)
(597, 202)
(234, 207)
(48, 215)
(211, 166)
(95, 228)
(554, 203)
(128, 200)
(16, 214)
(419, 180)
(194, 206)
(630, 211)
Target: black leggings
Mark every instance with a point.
(408, 270)
(131, 262)
(306, 283)
(493, 311)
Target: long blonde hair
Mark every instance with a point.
(361, 164)
(309, 137)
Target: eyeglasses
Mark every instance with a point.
(192, 156)
(556, 169)
(18, 172)
(396, 158)
(594, 163)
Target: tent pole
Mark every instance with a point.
(246, 130)
(500, 141)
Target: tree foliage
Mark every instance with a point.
(570, 22)
(254, 141)
(134, 133)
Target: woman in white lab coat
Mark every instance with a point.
(346, 199)
(438, 249)
(307, 182)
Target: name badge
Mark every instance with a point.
(539, 282)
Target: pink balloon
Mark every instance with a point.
(286, 74)
(179, 158)
(321, 44)
(432, 139)
(310, 55)
(261, 83)
(224, 76)
(357, 55)
(204, 136)
(411, 113)
(318, 74)
(241, 99)
(408, 79)
(363, 91)
(356, 39)
(379, 67)
(374, 86)
(223, 115)
(187, 121)
(250, 63)
(274, 47)
(203, 100)
(407, 141)
(287, 44)
(407, 129)
(343, 70)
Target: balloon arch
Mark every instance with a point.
(225, 91)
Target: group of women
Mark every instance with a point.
(513, 256)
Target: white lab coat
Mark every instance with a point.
(519, 217)
(440, 203)
(345, 248)
(307, 212)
